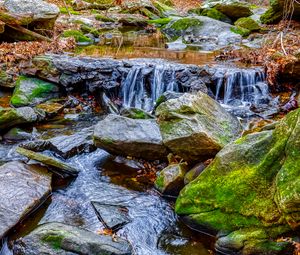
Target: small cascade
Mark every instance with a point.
(244, 92)
(141, 88)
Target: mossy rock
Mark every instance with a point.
(171, 179)
(64, 10)
(271, 16)
(231, 8)
(241, 31)
(104, 18)
(78, 36)
(212, 13)
(252, 183)
(164, 9)
(178, 27)
(32, 91)
(247, 23)
(89, 30)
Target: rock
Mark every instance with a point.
(10, 117)
(203, 31)
(231, 8)
(250, 191)
(211, 13)
(170, 179)
(275, 13)
(68, 146)
(32, 91)
(78, 36)
(58, 238)
(60, 167)
(112, 217)
(17, 134)
(196, 127)
(135, 113)
(194, 173)
(23, 188)
(167, 96)
(247, 23)
(50, 108)
(139, 138)
(36, 15)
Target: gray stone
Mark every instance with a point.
(195, 126)
(23, 188)
(130, 137)
(58, 238)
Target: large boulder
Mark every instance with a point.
(35, 15)
(250, 192)
(32, 91)
(58, 238)
(22, 189)
(209, 33)
(195, 126)
(10, 117)
(231, 8)
(130, 137)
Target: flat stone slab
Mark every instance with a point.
(22, 188)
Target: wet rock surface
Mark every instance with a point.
(23, 188)
(196, 127)
(141, 138)
(253, 191)
(58, 238)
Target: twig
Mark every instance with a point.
(28, 32)
(281, 42)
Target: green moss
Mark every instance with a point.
(89, 30)
(160, 22)
(163, 9)
(241, 31)
(211, 13)
(247, 23)
(32, 90)
(185, 23)
(70, 10)
(78, 35)
(104, 18)
(271, 16)
(54, 240)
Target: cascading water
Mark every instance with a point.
(141, 89)
(243, 91)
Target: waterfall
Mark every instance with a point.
(242, 86)
(141, 89)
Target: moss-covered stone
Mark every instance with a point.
(212, 13)
(252, 183)
(178, 27)
(271, 16)
(64, 10)
(196, 127)
(241, 31)
(247, 23)
(170, 180)
(32, 91)
(104, 18)
(78, 36)
(89, 30)
(160, 22)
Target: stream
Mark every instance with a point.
(154, 228)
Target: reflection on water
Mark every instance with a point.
(139, 45)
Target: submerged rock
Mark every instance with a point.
(59, 167)
(32, 91)
(130, 137)
(196, 127)
(250, 191)
(112, 217)
(23, 188)
(58, 238)
(170, 180)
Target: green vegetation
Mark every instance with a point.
(211, 13)
(271, 16)
(241, 31)
(104, 18)
(247, 23)
(70, 10)
(78, 35)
